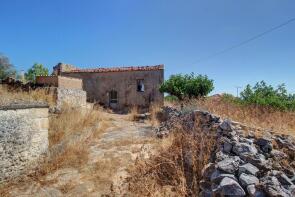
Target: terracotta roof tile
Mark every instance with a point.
(120, 69)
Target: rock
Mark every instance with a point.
(282, 178)
(220, 155)
(229, 165)
(256, 160)
(273, 187)
(229, 187)
(208, 170)
(227, 147)
(265, 144)
(217, 176)
(242, 148)
(278, 155)
(248, 179)
(253, 191)
(248, 169)
(226, 125)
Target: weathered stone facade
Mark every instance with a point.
(59, 81)
(73, 97)
(120, 88)
(23, 137)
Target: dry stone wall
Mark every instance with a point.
(244, 163)
(23, 137)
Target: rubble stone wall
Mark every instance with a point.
(23, 137)
(244, 163)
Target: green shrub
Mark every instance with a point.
(266, 95)
(191, 86)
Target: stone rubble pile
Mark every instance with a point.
(244, 163)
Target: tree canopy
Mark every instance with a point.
(6, 68)
(189, 85)
(263, 94)
(36, 70)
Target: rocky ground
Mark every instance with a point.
(245, 162)
(105, 172)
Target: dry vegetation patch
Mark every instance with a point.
(19, 96)
(176, 169)
(262, 118)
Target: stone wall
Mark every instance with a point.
(60, 82)
(23, 137)
(245, 161)
(73, 97)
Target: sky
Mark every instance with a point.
(180, 34)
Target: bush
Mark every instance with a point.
(191, 86)
(266, 95)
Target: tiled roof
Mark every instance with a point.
(119, 69)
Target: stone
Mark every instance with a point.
(248, 168)
(217, 176)
(229, 187)
(273, 187)
(278, 155)
(248, 179)
(220, 155)
(227, 147)
(229, 165)
(242, 148)
(265, 144)
(282, 178)
(253, 191)
(226, 125)
(256, 160)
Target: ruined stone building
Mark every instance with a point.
(120, 87)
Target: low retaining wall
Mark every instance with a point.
(23, 137)
(73, 97)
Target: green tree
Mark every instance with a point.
(36, 70)
(266, 95)
(191, 86)
(6, 68)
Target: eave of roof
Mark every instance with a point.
(118, 69)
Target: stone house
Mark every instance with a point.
(119, 87)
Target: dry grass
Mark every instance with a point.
(253, 116)
(11, 96)
(154, 111)
(133, 112)
(176, 170)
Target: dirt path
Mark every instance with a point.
(105, 172)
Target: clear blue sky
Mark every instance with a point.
(177, 33)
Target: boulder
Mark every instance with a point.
(229, 165)
(253, 191)
(229, 187)
(226, 125)
(265, 144)
(273, 187)
(248, 179)
(248, 169)
(244, 148)
(217, 176)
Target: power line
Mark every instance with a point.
(247, 40)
